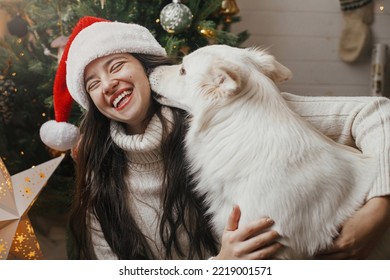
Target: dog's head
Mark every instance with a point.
(212, 73)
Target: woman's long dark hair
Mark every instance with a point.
(101, 190)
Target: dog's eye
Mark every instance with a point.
(182, 71)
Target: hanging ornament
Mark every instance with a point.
(229, 8)
(18, 26)
(207, 32)
(176, 17)
(7, 88)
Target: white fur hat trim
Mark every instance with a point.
(101, 39)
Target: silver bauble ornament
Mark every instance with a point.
(176, 17)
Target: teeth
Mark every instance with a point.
(118, 99)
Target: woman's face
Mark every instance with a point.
(120, 89)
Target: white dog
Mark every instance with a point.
(246, 147)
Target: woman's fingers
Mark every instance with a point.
(264, 243)
(266, 252)
(254, 228)
(234, 218)
(252, 241)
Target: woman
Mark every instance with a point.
(134, 198)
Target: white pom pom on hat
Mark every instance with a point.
(60, 136)
(91, 38)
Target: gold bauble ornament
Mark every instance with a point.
(208, 33)
(228, 9)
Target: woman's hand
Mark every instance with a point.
(249, 242)
(360, 233)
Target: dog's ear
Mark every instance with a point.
(269, 66)
(226, 79)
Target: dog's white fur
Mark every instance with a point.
(246, 147)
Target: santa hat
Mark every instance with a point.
(91, 38)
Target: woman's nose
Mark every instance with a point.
(109, 85)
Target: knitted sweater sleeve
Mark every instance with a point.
(361, 122)
(100, 246)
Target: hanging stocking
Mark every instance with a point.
(356, 35)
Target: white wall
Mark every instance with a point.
(304, 35)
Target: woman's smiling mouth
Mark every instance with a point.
(122, 99)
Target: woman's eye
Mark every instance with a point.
(92, 86)
(116, 66)
(182, 71)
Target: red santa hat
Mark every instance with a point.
(91, 38)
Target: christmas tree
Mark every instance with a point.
(29, 56)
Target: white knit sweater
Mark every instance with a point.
(362, 122)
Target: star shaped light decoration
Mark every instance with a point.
(17, 195)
